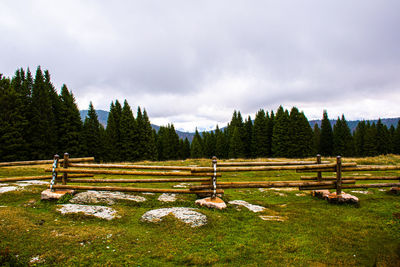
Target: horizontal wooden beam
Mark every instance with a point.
(269, 163)
(372, 185)
(169, 180)
(269, 184)
(136, 189)
(323, 167)
(353, 178)
(132, 167)
(40, 162)
(141, 173)
(372, 168)
(45, 177)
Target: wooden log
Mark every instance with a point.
(264, 184)
(338, 175)
(65, 166)
(371, 185)
(169, 180)
(132, 167)
(371, 168)
(142, 173)
(315, 167)
(319, 174)
(41, 162)
(270, 163)
(361, 178)
(26, 178)
(135, 189)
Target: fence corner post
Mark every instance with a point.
(319, 174)
(214, 178)
(338, 176)
(65, 166)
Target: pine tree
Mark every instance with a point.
(316, 139)
(186, 149)
(382, 138)
(300, 135)
(370, 148)
(270, 130)
(359, 138)
(148, 139)
(42, 132)
(113, 135)
(248, 138)
(280, 138)
(196, 149)
(326, 139)
(91, 134)
(260, 135)
(128, 134)
(396, 139)
(220, 144)
(70, 124)
(342, 138)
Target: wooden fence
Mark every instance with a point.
(73, 172)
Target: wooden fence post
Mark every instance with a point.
(54, 173)
(65, 166)
(338, 176)
(214, 178)
(319, 174)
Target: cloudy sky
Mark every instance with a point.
(193, 62)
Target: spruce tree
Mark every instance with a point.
(70, 125)
(396, 139)
(248, 138)
(370, 148)
(359, 138)
(42, 131)
(342, 138)
(220, 144)
(316, 139)
(300, 135)
(260, 135)
(382, 138)
(186, 149)
(91, 134)
(148, 139)
(128, 134)
(196, 149)
(326, 139)
(280, 139)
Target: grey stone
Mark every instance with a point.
(253, 208)
(186, 215)
(167, 197)
(93, 197)
(7, 189)
(101, 212)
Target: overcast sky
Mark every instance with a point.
(193, 62)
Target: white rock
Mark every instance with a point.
(167, 197)
(148, 193)
(97, 211)
(7, 189)
(186, 215)
(3, 184)
(93, 197)
(253, 208)
(181, 185)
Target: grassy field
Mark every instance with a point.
(314, 233)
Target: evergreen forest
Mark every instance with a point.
(36, 122)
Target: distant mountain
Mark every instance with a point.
(103, 117)
(353, 124)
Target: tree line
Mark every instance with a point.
(36, 122)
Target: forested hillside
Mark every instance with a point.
(36, 122)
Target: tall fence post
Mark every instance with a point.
(65, 166)
(214, 178)
(54, 173)
(319, 174)
(338, 176)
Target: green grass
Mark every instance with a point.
(315, 233)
